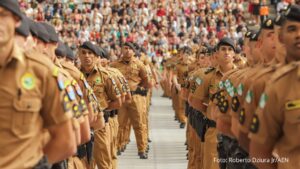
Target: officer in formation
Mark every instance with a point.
(242, 114)
(58, 116)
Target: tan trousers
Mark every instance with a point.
(75, 163)
(114, 126)
(134, 111)
(102, 151)
(181, 110)
(210, 150)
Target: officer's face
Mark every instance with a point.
(225, 55)
(8, 23)
(267, 44)
(290, 37)
(127, 52)
(280, 49)
(86, 57)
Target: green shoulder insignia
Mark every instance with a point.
(263, 100)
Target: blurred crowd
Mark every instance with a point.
(161, 27)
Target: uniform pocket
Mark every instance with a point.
(25, 116)
(99, 89)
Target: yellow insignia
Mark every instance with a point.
(28, 81)
(242, 116)
(292, 105)
(55, 71)
(81, 76)
(269, 22)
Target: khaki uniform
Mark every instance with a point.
(79, 108)
(113, 121)
(135, 73)
(257, 89)
(85, 96)
(276, 122)
(194, 143)
(105, 89)
(30, 102)
(181, 70)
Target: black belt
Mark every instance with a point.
(42, 164)
(210, 123)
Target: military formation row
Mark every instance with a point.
(240, 112)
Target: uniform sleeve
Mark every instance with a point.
(266, 124)
(201, 91)
(55, 110)
(143, 73)
(111, 88)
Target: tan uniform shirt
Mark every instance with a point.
(257, 89)
(73, 95)
(134, 71)
(104, 86)
(276, 122)
(30, 100)
(118, 77)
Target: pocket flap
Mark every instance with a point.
(27, 104)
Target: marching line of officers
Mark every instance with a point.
(56, 115)
(241, 113)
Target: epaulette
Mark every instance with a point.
(208, 70)
(283, 71)
(39, 58)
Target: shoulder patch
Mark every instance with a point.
(199, 81)
(263, 100)
(254, 124)
(77, 88)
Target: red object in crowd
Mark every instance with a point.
(161, 12)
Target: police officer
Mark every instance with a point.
(136, 75)
(179, 76)
(108, 96)
(29, 86)
(113, 119)
(275, 125)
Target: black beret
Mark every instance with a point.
(196, 40)
(42, 34)
(279, 20)
(70, 53)
(100, 52)
(248, 34)
(88, 45)
(226, 42)
(129, 44)
(33, 28)
(268, 24)
(186, 50)
(61, 51)
(12, 6)
(293, 13)
(238, 50)
(143, 50)
(23, 29)
(53, 36)
(255, 36)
